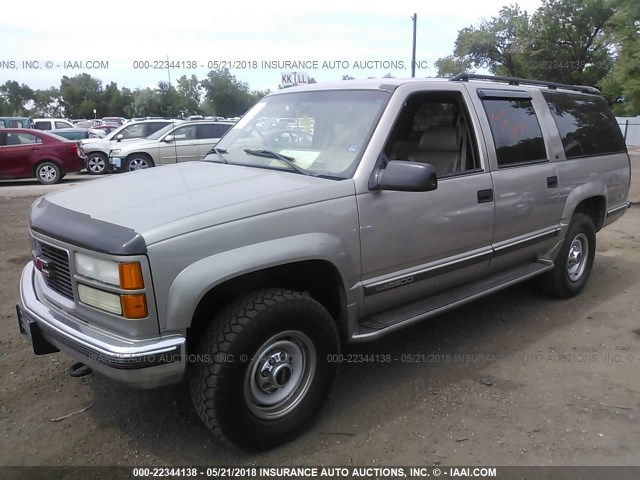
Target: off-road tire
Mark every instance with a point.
(220, 379)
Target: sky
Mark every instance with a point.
(127, 41)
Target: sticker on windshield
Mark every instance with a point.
(304, 158)
(352, 148)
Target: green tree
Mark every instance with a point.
(145, 103)
(451, 65)
(568, 41)
(169, 100)
(47, 103)
(226, 95)
(15, 97)
(500, 45)
(80, 95)
(622, 85)
(115, 102)
(189, 94)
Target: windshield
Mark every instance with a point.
(322, 132)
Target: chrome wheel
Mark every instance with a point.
(48, 173)
(138, 164)
(280, 374)
(577, 258)
(96, 164)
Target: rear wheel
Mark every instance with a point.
(96, 163)
(48, 173)
(138, 162)
(263, 368)
(575, 260)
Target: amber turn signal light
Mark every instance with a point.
(134, 306)
(131, 276)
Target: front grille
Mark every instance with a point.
(59, 274)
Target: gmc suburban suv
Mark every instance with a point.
(390, 201)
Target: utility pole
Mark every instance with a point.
(413, 56)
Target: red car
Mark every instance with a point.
(34, 153)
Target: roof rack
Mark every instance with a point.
(465, 77)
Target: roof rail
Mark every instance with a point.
(465, 77)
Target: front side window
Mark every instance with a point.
(585, 123)
(318, 132)
(133, 131)
(515, 129)
(185, 133)
(63, 125)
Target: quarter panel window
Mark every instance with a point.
(516, 132)
(585, 123)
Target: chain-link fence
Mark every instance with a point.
(630, 127)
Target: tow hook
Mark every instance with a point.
(79, 370)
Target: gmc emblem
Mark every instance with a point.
(42, 265)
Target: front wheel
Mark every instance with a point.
(262, 368)
(48, 173)
(575, 260)
(138, 163)
(96, 163)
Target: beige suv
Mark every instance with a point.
(172, 144)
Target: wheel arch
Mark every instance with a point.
(590, 199)
(320, 278)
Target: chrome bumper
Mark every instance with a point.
(142, 363)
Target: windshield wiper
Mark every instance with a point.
(219, 152)
(283, 158)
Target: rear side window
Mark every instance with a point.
(586, 124)
(44, 125)
(153, 127)
(515, 130)
(212, 130)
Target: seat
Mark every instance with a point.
(440, 147)
(402, 149)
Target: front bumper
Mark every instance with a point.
(142, 363)
(116, 164)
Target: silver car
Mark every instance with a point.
(172, 144)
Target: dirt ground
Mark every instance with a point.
(517, 378)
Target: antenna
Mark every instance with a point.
(175, 147)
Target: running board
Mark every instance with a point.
(380, 324)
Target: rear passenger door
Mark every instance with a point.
(182, 147)
(525, 181)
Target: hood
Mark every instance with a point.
(165, 201)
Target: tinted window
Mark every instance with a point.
(516, 131)
(153, 127)
(212, 130)
(586, 124)
(44, 125)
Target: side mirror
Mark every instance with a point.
(403, 176)
(119, 137)
(169, 138)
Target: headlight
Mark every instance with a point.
(98, 269)
(124, 275)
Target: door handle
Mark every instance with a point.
(485, 196)
(552, 182)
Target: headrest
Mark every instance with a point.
(443, 138)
